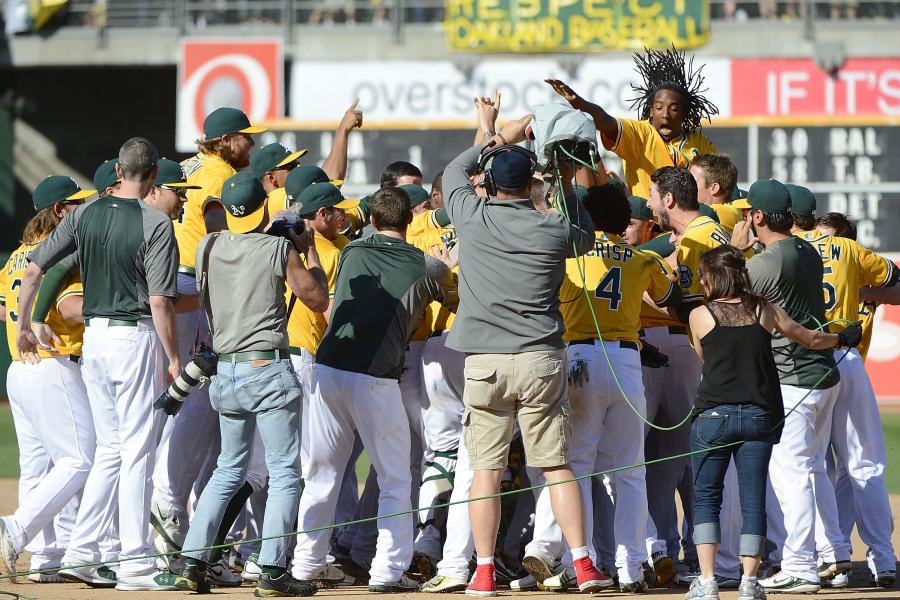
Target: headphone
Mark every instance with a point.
(488, 153)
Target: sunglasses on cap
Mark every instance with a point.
(180, 192)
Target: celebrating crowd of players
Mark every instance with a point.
(461, 314)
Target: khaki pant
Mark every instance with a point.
(529, 387)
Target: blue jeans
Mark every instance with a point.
(246, 397)
(751, 425)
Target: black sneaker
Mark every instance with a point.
(193, 579)
(272, 587)
(404, 584)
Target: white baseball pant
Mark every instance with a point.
(123, 374)
(340, 402)
(459, 545)
(606, 433)
(858, 441)
(56, 441)
(799, 480)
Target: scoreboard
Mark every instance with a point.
(847, 165)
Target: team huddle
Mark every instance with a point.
(536, 354)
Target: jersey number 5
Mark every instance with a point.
(610, 288)
(828, 289)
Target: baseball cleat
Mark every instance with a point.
(404, 584)
(275, 587)
(329, 577)
(841, 580)
(782, 583)
(442, 584)
(538, 568)
(47, 578)
(635, 587)
(104, 577)
(8, 551)
(251, 569)
(827, 570)
(663, 569)
(192, 579)
(884, 579)
(219, 575)
(159, 581)
(563, 578)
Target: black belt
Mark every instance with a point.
(437, 333)
(185, 270)
(114, 323)
(627, 344)
(75, 358)
(297, 351)
(237, 357)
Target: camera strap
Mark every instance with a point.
(204, 288)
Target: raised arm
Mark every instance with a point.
(486, 112)
(310, 285)
(335, 166)
(606, 124)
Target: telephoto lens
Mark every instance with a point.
(201, 367)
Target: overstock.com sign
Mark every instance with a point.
(248, 75)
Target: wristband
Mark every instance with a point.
(503, 139)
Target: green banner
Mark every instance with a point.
(574, 25)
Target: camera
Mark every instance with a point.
(202, 366)
(286, 222)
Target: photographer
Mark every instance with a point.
(255, 385)
(512, 263)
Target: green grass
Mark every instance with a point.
(9, 453)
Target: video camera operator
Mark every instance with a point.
(254, 385)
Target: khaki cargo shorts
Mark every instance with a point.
(530, 387)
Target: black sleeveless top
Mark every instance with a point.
(738, 364)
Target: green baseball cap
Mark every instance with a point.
(769, 195)
(417, 194)
(244, 199)
(304, 176)
(105, 175)
(57, 188)
(639, 208)
(272, 156)
(171, 175)
(322, 195)
(225, 120)
(803, 202)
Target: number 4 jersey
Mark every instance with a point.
(616, 275)
(10, 280)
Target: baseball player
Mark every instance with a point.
(716, 176)
(668, 130)
(193, 434)
(106, 181)
(48, 399)
(128, 259)
(605, 382)
(856, 433)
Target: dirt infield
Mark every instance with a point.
(859, 589)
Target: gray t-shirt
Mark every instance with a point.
(127, 253)
(246, 284)
(789, 274)
(512, 261)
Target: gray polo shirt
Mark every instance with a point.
(789, 274)
(247, 290)
(127, 252)
(512, 261)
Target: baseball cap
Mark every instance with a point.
(739, 199)
(57, 188)
(244, 199)
(271, 156)
(171, 175)
(225, 120)
(639, 208)
(417, 194)
(803, 202)
(105, 175)
(511, 169)
(322, 195)
(304, 176)
(769, 195)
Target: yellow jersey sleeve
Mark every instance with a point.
(867, 316)
(209, 172)
(660, 286)
(70, 334)
(728, 215)
(305, 327)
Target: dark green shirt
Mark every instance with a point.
(789, 274)
(383, 287)
(127, 252)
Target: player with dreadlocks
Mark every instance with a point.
(671, 106)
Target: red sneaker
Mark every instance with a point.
(483, 582)
(590, 579)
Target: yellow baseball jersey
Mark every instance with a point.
(616, 275)
(305, 328)
(424, 233)
(867, 316)
(848, 267)
(277, 200)
(728, 215)
(643, 151)
(208, 171)
(701, 235)
(651, 317)
(11, 278)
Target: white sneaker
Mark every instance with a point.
(251, 569)
(782, 583)
(563, 578)
(47, 578)
(169, 527)
(841, 580)
(160, 581)
(104, 577)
